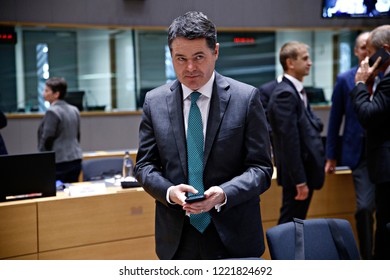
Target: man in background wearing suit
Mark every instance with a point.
(373, 112)
(265, 94)
(235, 162)
(352, 150)
(297, 143)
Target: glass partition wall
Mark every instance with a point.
(114, 68)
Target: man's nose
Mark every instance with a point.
(190, 65)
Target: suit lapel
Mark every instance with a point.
(175, 109)
(307, 110)
(218, 104)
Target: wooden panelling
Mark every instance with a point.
(131, 249)
(32, 257)
(95, 219)
(18, 230)
(337, 196)
(336, 199)
(120, 223)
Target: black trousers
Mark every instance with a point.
(68, 172)
(292, 208)
(382, 233)
(197, 246)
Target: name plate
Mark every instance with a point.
(86, 189)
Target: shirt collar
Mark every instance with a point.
(387, 71)
(206, 89)
(297, 83)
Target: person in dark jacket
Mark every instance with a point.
(3, 123)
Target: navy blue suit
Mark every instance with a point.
(237, 158)
(353, 133)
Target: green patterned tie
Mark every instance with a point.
(195, 159)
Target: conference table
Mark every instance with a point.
(116, 223)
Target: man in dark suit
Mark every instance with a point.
(373, 112)
(235, 157)
(297, 144)
(352, 149)
(265, 94)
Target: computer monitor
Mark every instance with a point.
(315, 95)
(26, 176)
(75, 98)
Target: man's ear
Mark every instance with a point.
(216, 50)
(56, 94)
(289, 63)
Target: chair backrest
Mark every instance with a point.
(320, 239)
(101, 168)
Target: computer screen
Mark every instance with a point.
(75, 98)
(356, 8)
(26, 176)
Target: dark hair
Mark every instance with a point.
(290, 50)
(57, 84)
(193, 25)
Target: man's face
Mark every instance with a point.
(300, 67)
(360, 49)
(193, 61)
(370, 48)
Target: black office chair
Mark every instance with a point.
(101, 168)
(315, 239)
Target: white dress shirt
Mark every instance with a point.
(203, 102)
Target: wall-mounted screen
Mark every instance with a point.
(356, 8)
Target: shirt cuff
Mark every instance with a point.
(167, 196)
(219, 206)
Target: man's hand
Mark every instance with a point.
(365, 73)
(302, 192)
(177, 194)
(330, 166)
(214, 196)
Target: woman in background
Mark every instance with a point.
(59, 131)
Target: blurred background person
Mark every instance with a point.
(59, 131)
(265, 94)
(352, 149)
(297, 145)
(373, 111)
(3, 123)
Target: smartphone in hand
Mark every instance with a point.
(195, 198)
(379, 53)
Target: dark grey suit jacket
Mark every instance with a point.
(59, 131)
(237, 158)
(298, 147)
(374, 116)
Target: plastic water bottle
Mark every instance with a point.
(127, 166)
